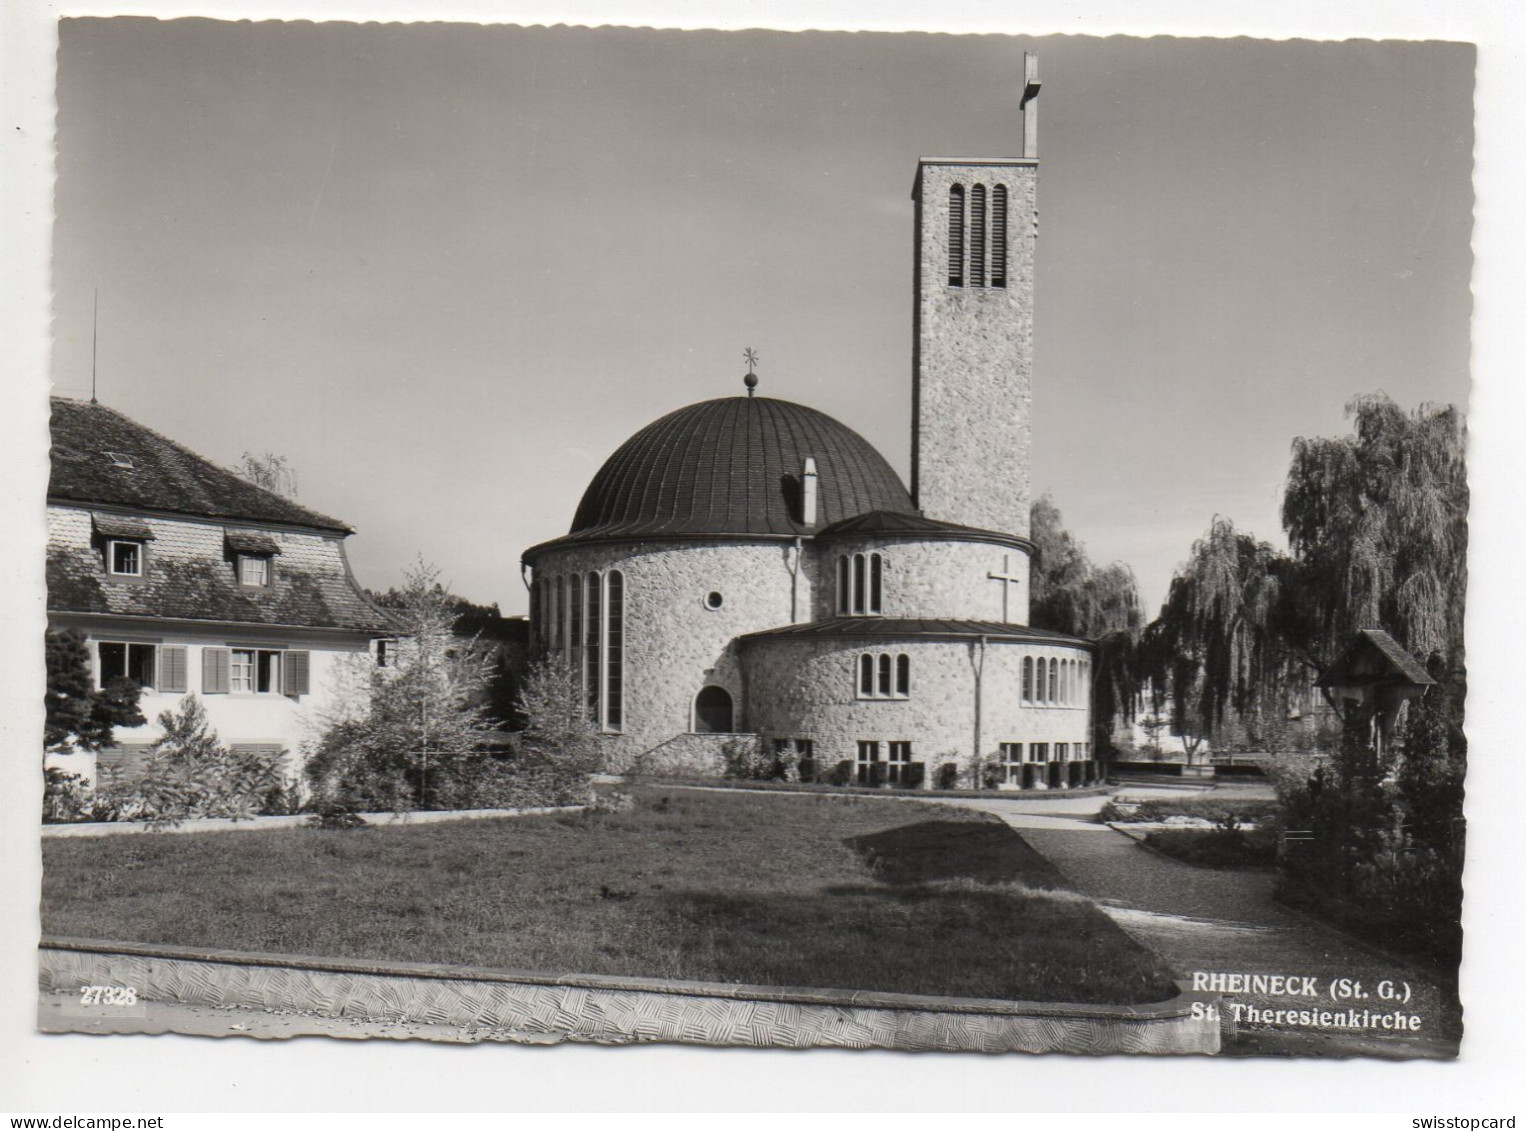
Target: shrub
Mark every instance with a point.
(190, 774)
(947, 776)
(65, 797)
(841, 774)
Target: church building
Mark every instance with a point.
(750, 568)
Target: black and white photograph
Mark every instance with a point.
(752, 539)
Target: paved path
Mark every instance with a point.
(1224, 921)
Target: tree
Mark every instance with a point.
(1378, 521)
(1216, 647)
(1071, 595)
(417, 739)
(78, 715)
(503, 641)
(270, 471)
(559, 734)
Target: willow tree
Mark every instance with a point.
(1072, 595)
(1378, 523)
(1217, 647)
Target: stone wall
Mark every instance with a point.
(613, 1009)
(675, 644)
(932, 578)
(809, 689)
(973, 369)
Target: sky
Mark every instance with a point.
(444, 270)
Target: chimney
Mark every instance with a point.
(808, 480)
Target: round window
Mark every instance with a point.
(713, 600)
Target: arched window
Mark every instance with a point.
(884, 676)
(1054, 681)
(977, 272)
(575, 625)
(712, 711)
(999, 236)
(614, 662)
(558, 611)
(537, 622)
(592, 639)
(956, 236)
(1065, 682)
(1027, 679)
(860, 584)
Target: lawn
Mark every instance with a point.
(744, 888)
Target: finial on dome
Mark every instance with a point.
(750, 355)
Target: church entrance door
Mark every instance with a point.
(712, 711)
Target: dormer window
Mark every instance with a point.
(254, 569)
(124, 542)
(124, 558)
(253, 553)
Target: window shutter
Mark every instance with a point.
(294, 672)
(172, 664)
(214, 671)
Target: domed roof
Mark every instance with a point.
(732, 466)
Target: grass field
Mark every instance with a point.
(742, 888)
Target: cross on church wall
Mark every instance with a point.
(1008, 579)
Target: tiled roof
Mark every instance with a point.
(896, 524)
(101, 457)
(187, 575)
(901, 628)
(1400, 662)
(732, 466)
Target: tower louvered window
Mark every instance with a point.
(977, 271)
(999, 236)
(956, 236)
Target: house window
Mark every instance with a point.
(860, 584)
(254, 671)
(1012, 763)
(898, 763)
(1062, 751)
(1054, 681)
(1027, 679)
(254, 569)
(124, 558)
(1038, 752)
(884, 676)
(137, 662)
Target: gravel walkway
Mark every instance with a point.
(1224, 921)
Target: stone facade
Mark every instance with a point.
(675, 644)
(958, 690)
(973, 362)
(942, 579)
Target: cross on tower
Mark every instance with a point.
(1007, 579)
(1029, 104)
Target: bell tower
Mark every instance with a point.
(976, 227)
